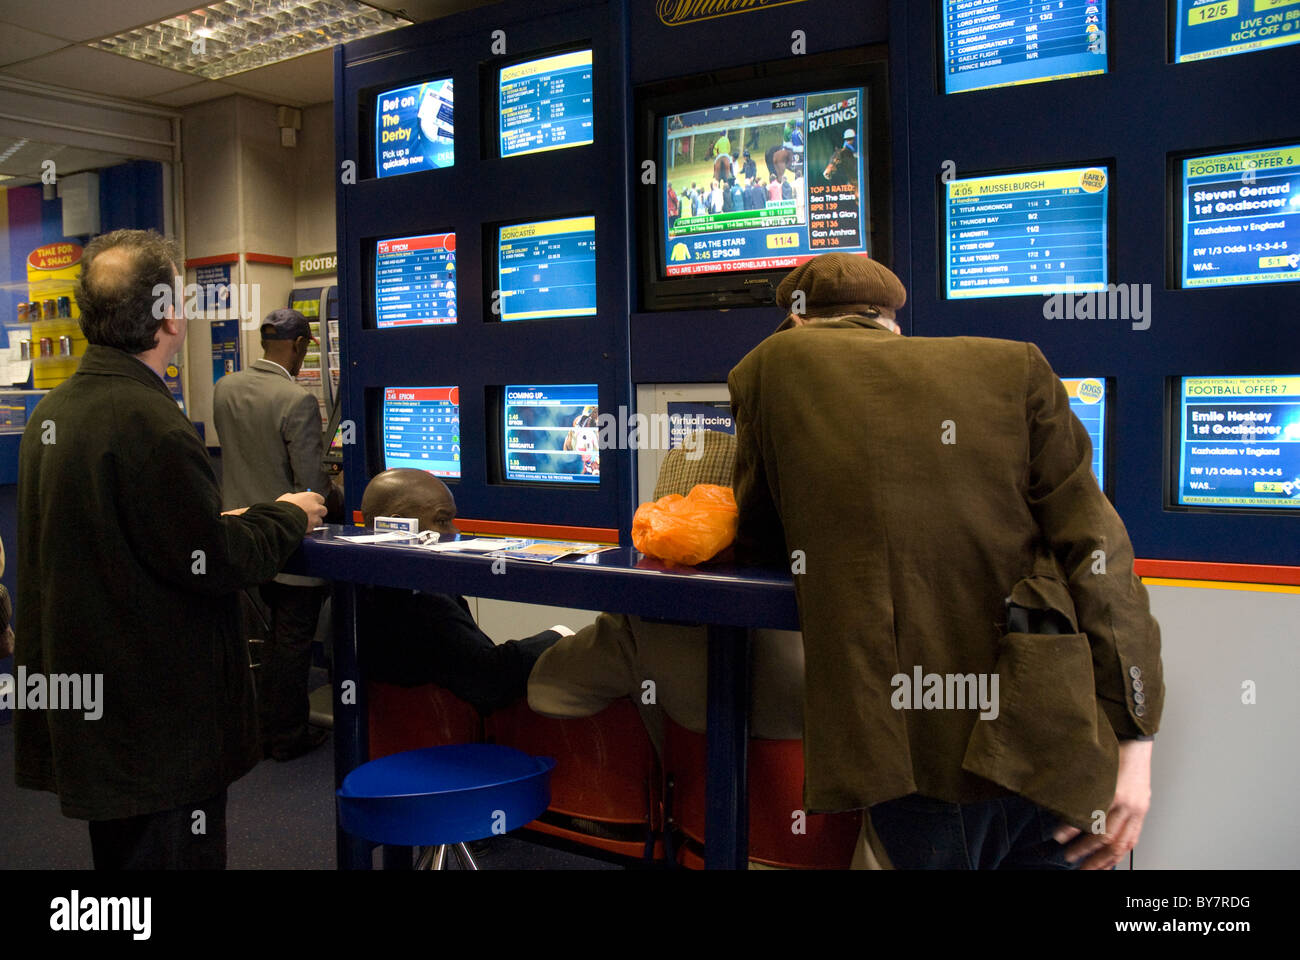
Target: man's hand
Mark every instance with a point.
(233, 513)
(1124, 818)
(312, 504)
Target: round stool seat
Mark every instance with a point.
(444, 795)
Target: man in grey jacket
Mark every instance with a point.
(270, 435)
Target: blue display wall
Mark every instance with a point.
(1133, 121)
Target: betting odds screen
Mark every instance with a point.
(1003, 43)
(1016, 234)
(547, 269)
(414, 129)
(1204, 29)
(1241, 217)
(551, 433)
(422, 429)
(1239, 445)
(546, 104)
(1088, 403)
(415, 280)
(764, 185)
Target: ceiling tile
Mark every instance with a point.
(79, 20)
(194, 93)
(304, 80)
(421, 10)
(19, 44)
(101, 72)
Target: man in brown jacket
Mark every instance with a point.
(983, 671)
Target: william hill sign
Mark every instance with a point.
(674, 13)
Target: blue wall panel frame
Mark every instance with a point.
(477, 353)
(1144, 109)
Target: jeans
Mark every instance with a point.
(168, 840)
(1008, 833)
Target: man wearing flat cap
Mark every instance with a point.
(982, 669)
(271, 440)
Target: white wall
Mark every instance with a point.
(1225, 775)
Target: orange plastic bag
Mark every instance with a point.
(687, 530)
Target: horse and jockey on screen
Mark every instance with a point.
(842, 168)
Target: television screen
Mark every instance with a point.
(550, 434)
(415, 280)
(1037, 232)
(1003, 43)
(765, 184)
(1204, 29)
(1239, 442)
(413, 129)
(546, 104)
(422, 429)
(1088, 403)
(547, 269)
(1241, 217)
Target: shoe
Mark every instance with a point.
(305, 744)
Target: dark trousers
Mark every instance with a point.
(1009, 833)
(283, 707)
(191, 837)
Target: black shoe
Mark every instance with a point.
(305, 744)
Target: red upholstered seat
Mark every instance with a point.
(775, 793)
(606, 774)
(408, 718)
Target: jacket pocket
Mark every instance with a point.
(1049, 741)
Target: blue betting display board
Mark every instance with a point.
(546, 104)
(551, 433)
(1240, 442)
(1002, 43)
(415, 280)
(1204, 29)
(1241, 218)
(1038, 232)
(422, 429)
(547, 269)
(1088, 403)
(414, 129)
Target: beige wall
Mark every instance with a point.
(245, 193)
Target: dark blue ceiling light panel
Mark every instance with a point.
(1005, 43)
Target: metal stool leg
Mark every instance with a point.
(466, 860)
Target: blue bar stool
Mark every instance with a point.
(444, 796)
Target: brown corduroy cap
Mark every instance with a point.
(835, 284)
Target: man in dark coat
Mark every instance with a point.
(128, 572)
(983, 671)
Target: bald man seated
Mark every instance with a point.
(411, 638)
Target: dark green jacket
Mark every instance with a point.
(127, 569)
(910, 545)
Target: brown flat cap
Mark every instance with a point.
(835, 284)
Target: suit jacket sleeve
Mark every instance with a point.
(1093, 549)
(302, 438)
(172, 508)
(760, 536)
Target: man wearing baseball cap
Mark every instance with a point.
(270, 433)
(983, 671)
